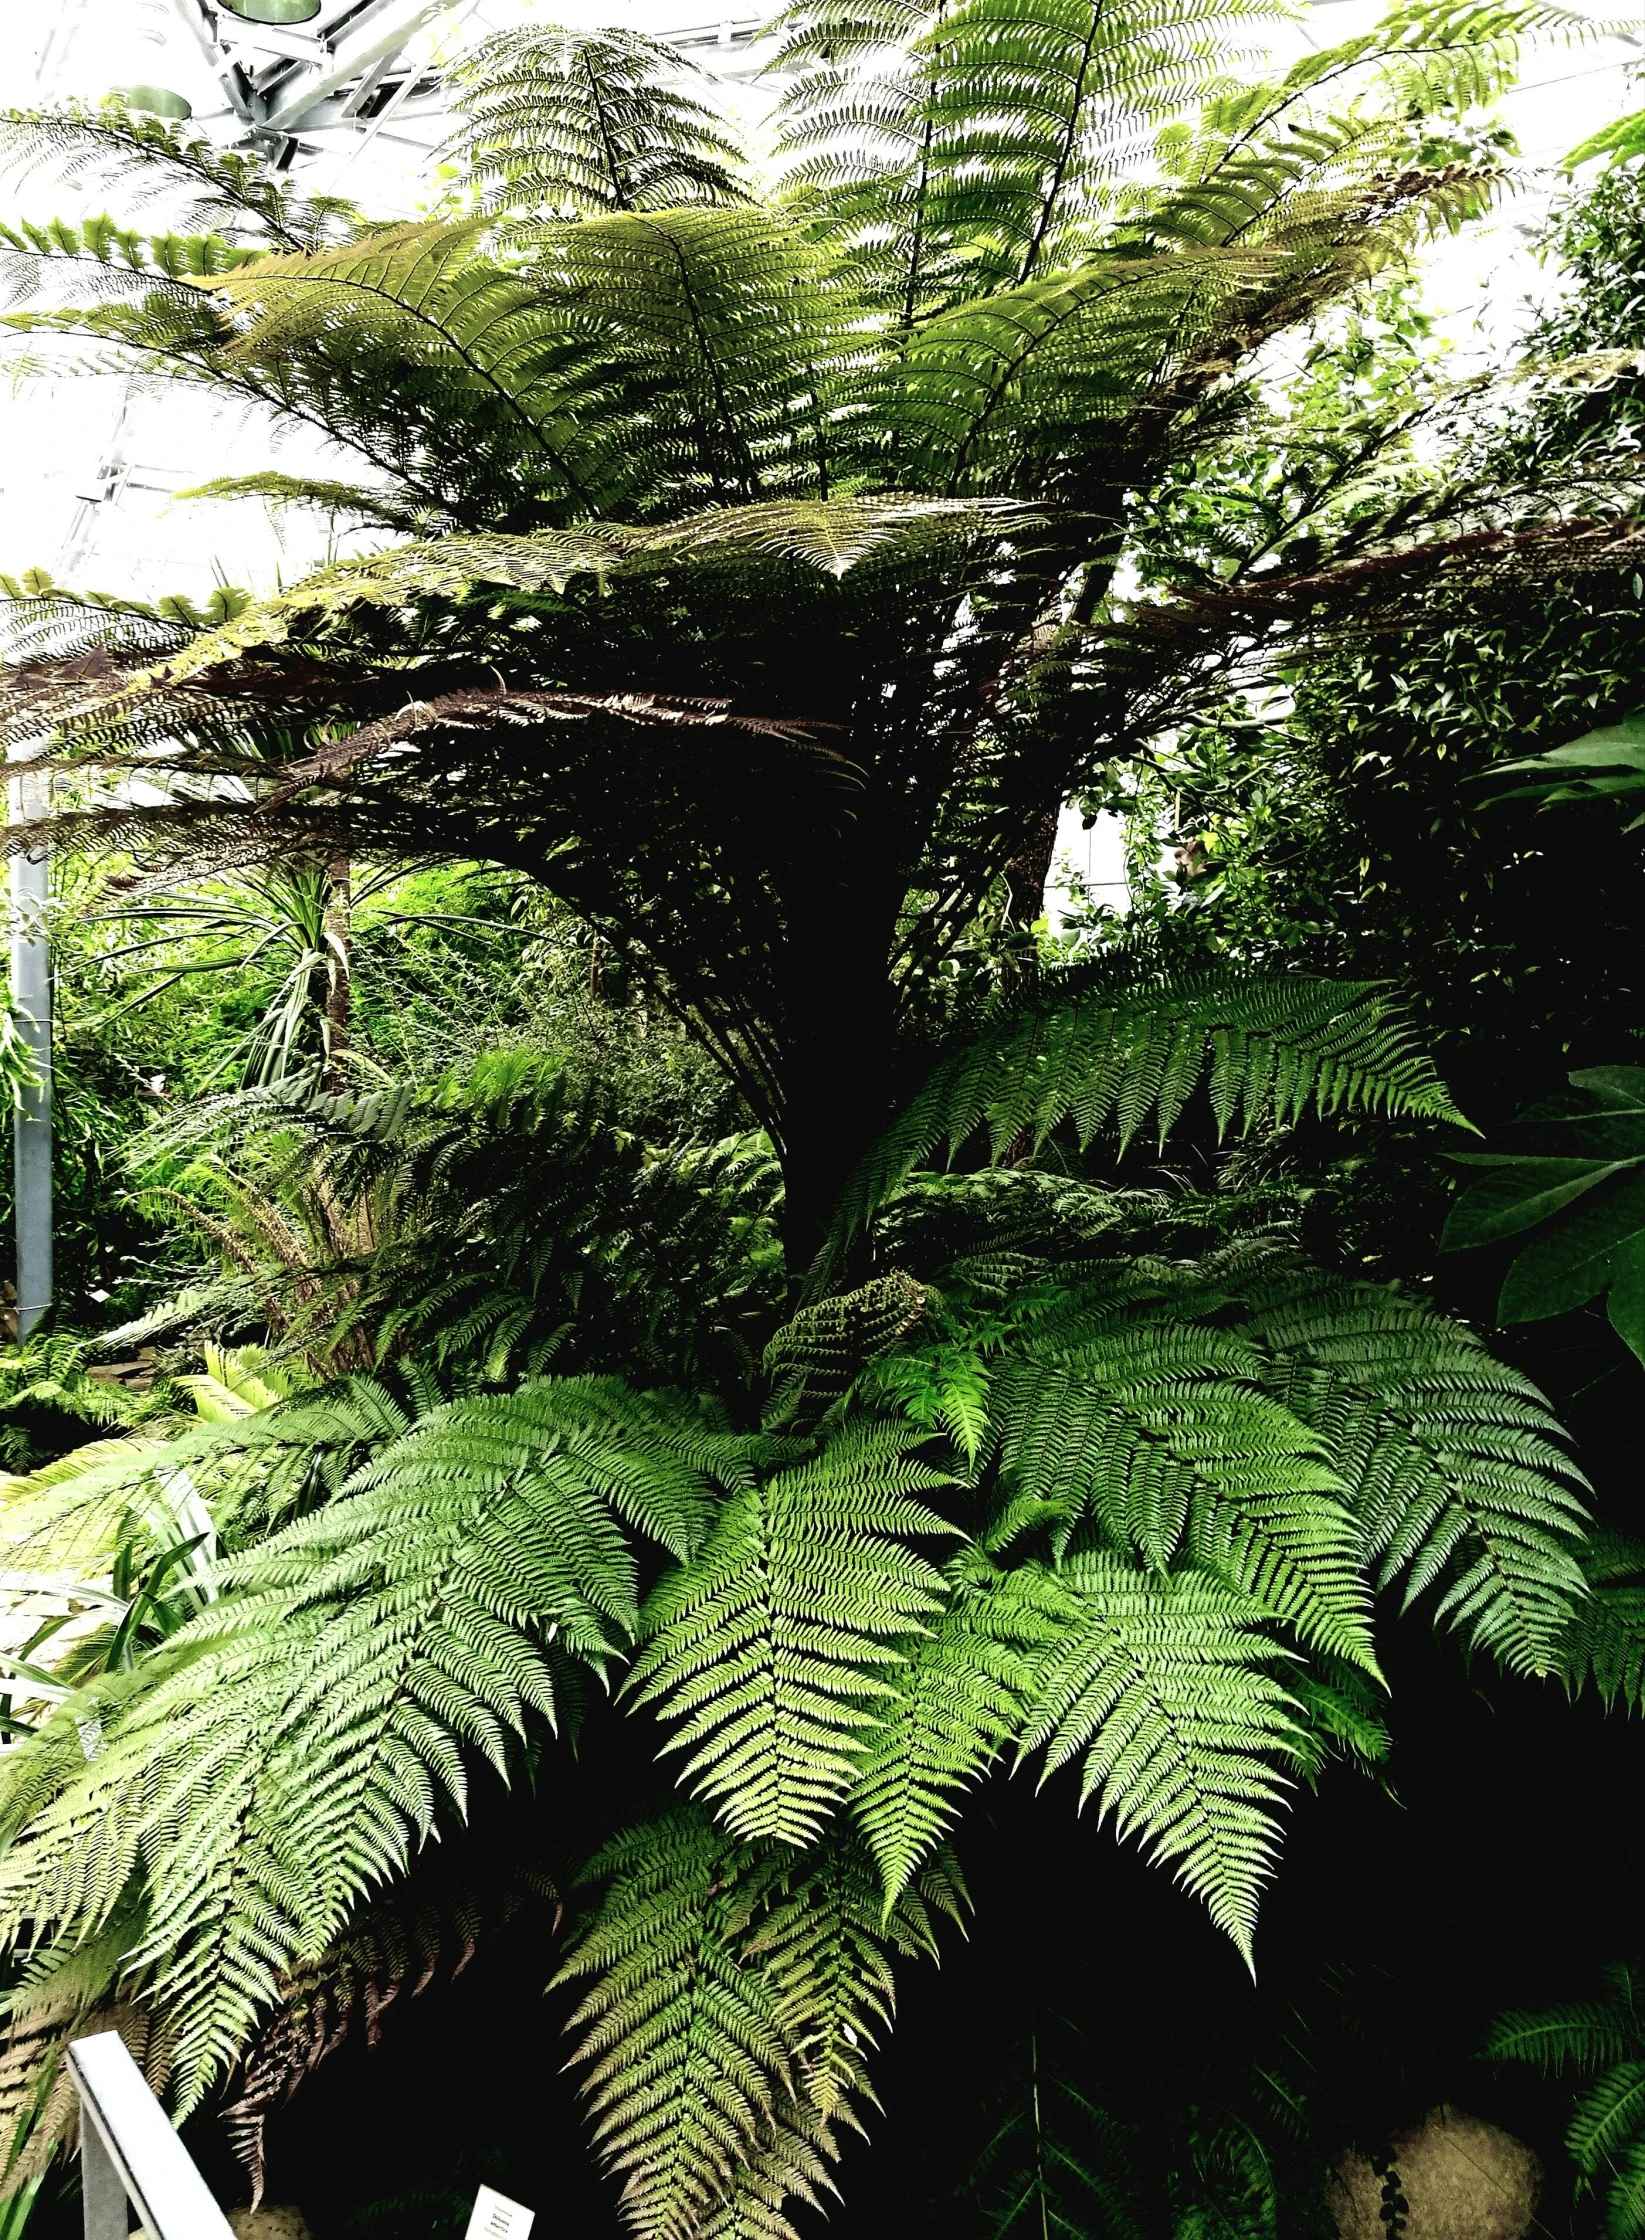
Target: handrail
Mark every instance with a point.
(130, 2152)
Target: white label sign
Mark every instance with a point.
(495, 2217)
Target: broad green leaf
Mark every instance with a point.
(1571, 1262)
(1626, 1303)
(1520, 1194)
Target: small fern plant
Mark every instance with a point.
(1600, 2040)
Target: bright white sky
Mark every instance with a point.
(88, 471)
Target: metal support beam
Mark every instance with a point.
(31, 1001)
(354, 52)
(304, 71)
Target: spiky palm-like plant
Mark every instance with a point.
(758, 549)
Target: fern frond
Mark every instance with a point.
(222, 189)
(1173, 1699)
(965, 151)
(336, 498)
(1266, 1049)
(736, 1994)
(1458, 1471)
(559, 122)
(1604, 1640)
(1586, 2034)
(1606, 2136)
(101, 258)
(1160, 1431)
(818, 1355)
(960, 1696)
(1002, 378)
(290, 1748)
(831, 538)
(772, 1652)
(683, 2059)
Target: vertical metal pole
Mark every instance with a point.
(102, 2190)
(31, 999)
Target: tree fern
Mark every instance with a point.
(785, 750)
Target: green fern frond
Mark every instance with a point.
(1606, 2137)
(830, 537)
(345, 498)
(1604, 1641)
(1002, 376)
(222, 189)
(1174, 1700)
(736, 1993)
(98, 255)
(1160, 1432)
(1587, 2034)
(1458, 1472)
(1266, 1049)
(818, 1355)
(968, 150)
(684, 2062)
(773, 1651)
(559, 122)
(290, 1748)
(961, 1695)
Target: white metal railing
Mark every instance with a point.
(130, 2153)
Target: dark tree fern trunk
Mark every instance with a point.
(838, 1066)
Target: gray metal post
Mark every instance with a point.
(31, 999)
(102, 2191)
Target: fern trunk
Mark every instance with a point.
(837, 1068)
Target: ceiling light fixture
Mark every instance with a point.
(272, 11)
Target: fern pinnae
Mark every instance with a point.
(960, 1697)
(1603, 1642)
(1459, 1475)
(770, 1653)
(1170, 1694)
(735, 1991)
(1078, 1050)
(1159, 1430)
(297, 1741)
